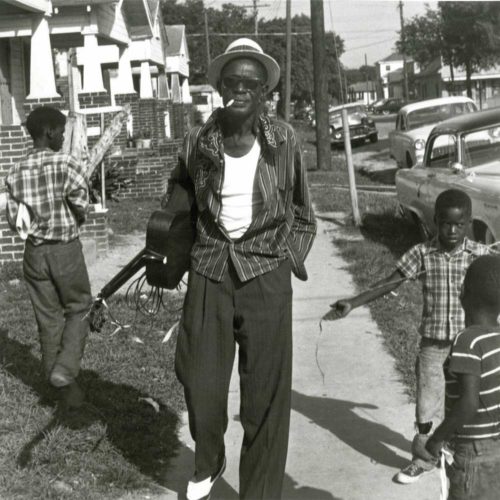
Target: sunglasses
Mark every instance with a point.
(233, 82)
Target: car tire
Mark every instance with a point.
(374, 138)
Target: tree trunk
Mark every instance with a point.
(468, 81)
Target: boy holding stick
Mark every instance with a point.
(440, 264)
(52, 188)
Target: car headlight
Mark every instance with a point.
(337, 135)
(419, 145)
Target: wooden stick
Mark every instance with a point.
(350, 169)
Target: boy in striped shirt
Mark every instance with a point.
(472, 422)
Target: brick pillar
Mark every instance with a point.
(96, 229)
(14, 143)
(55, 102)
(132, 99)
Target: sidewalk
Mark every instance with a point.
(350, 433)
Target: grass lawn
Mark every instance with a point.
(129, 215)
(121, 444)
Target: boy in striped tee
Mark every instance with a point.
(472, 370)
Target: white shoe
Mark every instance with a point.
(197, 490)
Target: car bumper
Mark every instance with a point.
(356, 135)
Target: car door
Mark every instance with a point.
(440, 155)
(396, 139)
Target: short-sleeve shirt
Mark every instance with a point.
(476, 351)
(441, 274)
(54, 187)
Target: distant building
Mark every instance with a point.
(388, 66)
(178, 63)
(205, 99)
(436, 80)
(362, 91)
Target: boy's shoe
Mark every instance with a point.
(198, 490)
(413, 472)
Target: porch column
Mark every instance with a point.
(146, 91)
(176, 88)
(186, 95)
(42, 78)
(125, 84)
(92, 74)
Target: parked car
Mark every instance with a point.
(361, 127)
(302, 112)
(388, 106)
(374, 105)
(461, 153)
(414, 123)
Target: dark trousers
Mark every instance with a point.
(58, 285)
(257, 315)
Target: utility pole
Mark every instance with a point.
(323, 146)
(403, 44)
(207, 40)
(366, 78)
(338, 68)
(256, 17)
(288, 74)
(255, 8)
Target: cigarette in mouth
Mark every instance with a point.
(230, 103)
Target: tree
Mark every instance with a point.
(461, 33)
(361, 74)
(234, 19)
(422, 37)
(468, 34)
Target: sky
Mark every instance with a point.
(367, 26)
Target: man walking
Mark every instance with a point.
(255, 225)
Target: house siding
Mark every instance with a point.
(111, 23)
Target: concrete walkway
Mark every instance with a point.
(351, 429)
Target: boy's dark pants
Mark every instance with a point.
(58, 285)
(475, 472)
(257, 315)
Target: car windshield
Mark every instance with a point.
(434, 114)
(482, 147)
(352, 110)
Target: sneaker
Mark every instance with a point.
(412, 473)
(198, 490)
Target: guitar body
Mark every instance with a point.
(171, 236)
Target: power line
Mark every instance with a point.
(277, 33)
(369, 45)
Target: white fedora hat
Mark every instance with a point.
(244, 47)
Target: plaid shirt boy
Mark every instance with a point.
(54, 187)
(442, 275)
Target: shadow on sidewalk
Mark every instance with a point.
(363, 435)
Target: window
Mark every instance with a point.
(481, 147)
(388, 68)
(443, 151)
(434, 114)
(200, 99)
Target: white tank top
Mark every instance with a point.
(241, 198)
